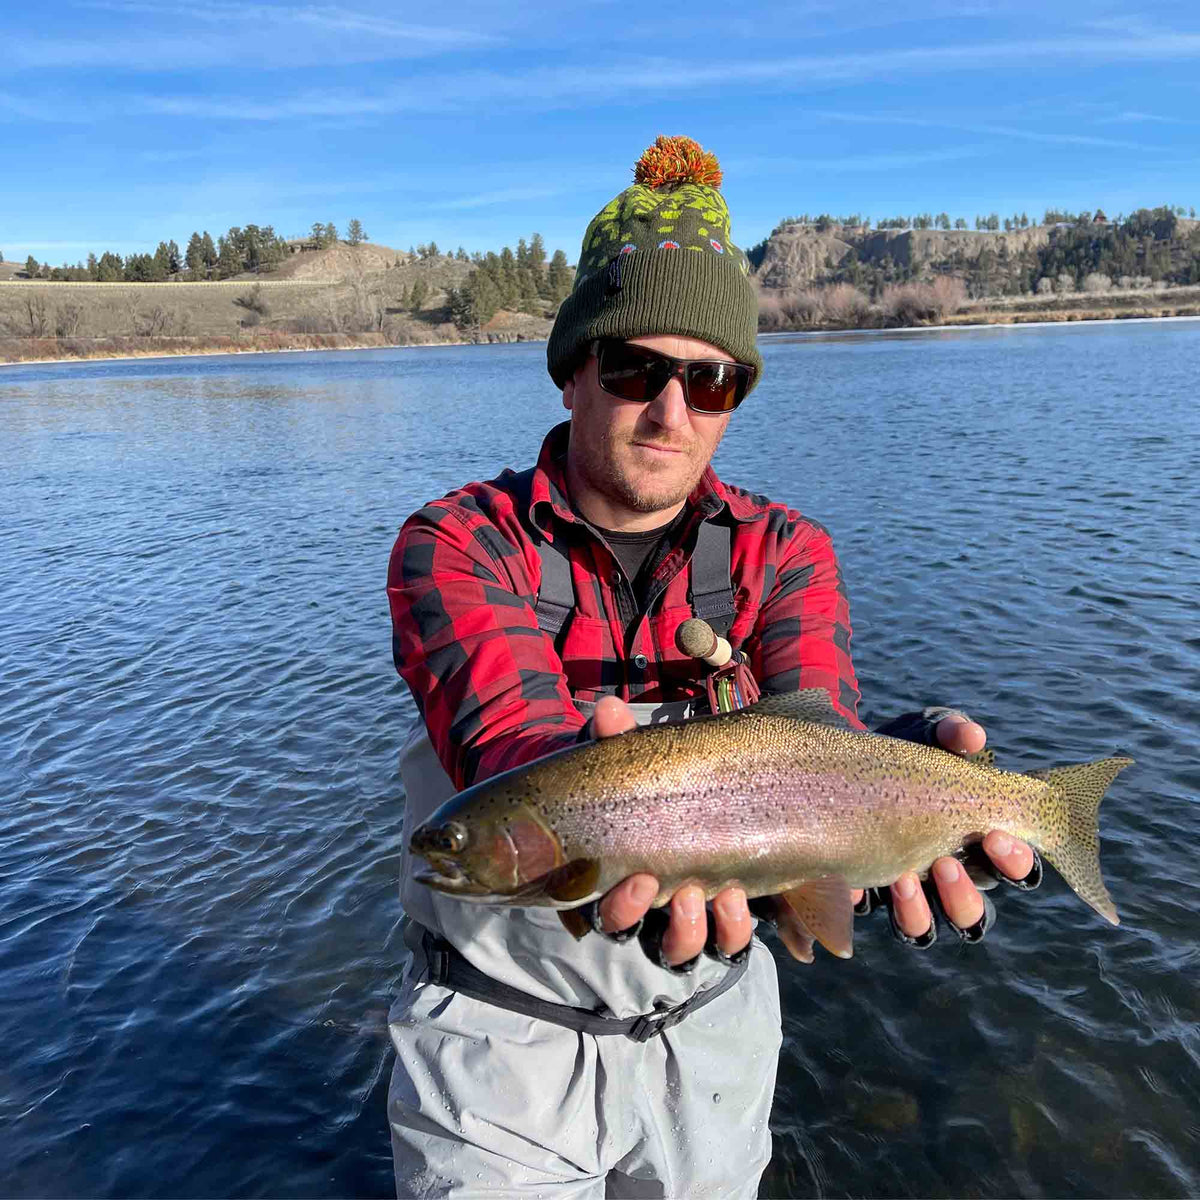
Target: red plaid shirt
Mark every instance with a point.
(493, 689)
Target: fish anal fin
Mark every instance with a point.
(576, 880)
(794, 934)
(574, 922)
(826, 911)
(808, 704)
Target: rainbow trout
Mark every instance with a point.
(784, 798)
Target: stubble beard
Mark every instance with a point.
(604, 468)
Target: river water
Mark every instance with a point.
(199, 809)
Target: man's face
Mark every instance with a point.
(631, 458)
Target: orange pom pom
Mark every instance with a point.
(673, 160)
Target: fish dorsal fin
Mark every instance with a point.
(809, 704)
(825, 908)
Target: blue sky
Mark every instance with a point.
(123, 122)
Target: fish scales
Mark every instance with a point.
(765, 801)
(772, 798)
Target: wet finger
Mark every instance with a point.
(960, 898)
(1009, 854)
(734, 926)
(626, 904)
(910, 907)
(612, 716)
(960, 735)
(685, 935)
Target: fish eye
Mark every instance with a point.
(452, 837)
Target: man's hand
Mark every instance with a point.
(630, 900)
(960, 898)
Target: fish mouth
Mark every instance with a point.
(449, 878)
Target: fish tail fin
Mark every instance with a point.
(1072, 841)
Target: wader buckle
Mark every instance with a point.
(650, 1025)
(438, 959)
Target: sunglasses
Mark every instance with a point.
(637, 373)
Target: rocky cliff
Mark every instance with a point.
(803, 255)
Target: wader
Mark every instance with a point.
(485, 1100)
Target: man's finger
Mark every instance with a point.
(612, 716)
(960, 735)
(685, 935)
(910, 907)
(627, 903)
(1009, 854)
(732, 916)
(961, 901)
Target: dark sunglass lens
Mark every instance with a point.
(716, 387)
(632, 373)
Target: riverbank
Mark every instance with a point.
(29, 351)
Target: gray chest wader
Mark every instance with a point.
(521, 1098)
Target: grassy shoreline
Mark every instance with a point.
(47, 350)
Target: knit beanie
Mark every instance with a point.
(658, 259)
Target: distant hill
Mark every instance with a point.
(1152, 245)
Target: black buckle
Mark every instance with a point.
(650, 1025)
(438, 957)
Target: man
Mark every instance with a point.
(500, 1085)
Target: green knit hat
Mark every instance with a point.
(658, 259)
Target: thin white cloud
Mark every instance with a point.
(1133, 118)
(217, 33)
(1051, 137)
(324, 18)
(631, 81)
(503, 196)
(854, 162)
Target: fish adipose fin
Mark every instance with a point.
(1072, 839)
(810, 704)
(825, 910)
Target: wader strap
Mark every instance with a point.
(711, 591)
(712, 576)
(556, 596)
(449, 969)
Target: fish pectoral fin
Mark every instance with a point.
(574, 922)
(576, 880)
(826, 911)
(808, 704)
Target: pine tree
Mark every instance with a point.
(31, 267)
(559, 276)
(110, 268)
(195, 254)
(420, 292)
(318, 234)
(331, 234)
(208, 251)
(354, 232)
(537, 252)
